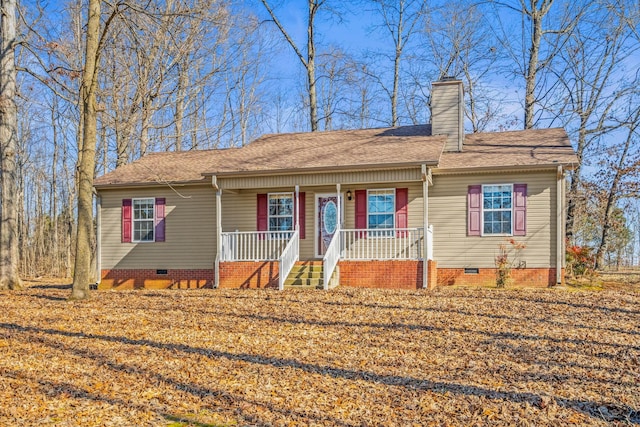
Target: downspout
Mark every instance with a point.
(216, 267)
(98, 239)
(559, 224)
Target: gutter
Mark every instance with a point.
(148, 184)
(507, 168)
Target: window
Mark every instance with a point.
(280, 212)
(497, 209)
(381, 210)
(143, 220)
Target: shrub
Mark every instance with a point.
(580, 261)
(508, 254)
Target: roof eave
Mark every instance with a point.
(504, 168)
(148, 184)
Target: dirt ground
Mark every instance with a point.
(347, 357)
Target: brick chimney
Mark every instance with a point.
(447, 112)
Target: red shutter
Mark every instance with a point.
(126, 220)
(262, 209)
(402, 200)
(474, 210)
(159, 232)
(361, 210)
(520, 209)
(301, 200)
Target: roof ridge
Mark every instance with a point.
(320, 132)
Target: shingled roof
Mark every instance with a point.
(525, 148)
(347, 149)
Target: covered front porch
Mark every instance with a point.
(318, 236)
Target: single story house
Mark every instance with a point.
(403, 207)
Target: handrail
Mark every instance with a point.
(382, 244)
(331, 258)
(288, 258)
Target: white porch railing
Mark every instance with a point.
(331, 258)
(254, 245)
(347, 244)
(382, 244)
(287, 260)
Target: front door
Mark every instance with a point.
(326, 221)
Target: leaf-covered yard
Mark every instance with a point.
(347, 357)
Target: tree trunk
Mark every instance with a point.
(145, 125)
(576, 179)
(9, 277)
(180, 103)
(309, 62)
(83, 273)
(532, 68)
(396, 69)
(311, 66)
(53, 198)
(615, 191)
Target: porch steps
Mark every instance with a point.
(305, 275)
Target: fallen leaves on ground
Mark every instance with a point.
(348, 357)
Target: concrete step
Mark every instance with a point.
(294, 283)
(305, 275)
(307, 268)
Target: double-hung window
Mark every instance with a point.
(280, 212)
(143, 220)
(381, 210)
(497, 209)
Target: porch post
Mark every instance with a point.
(297, 227)
(425, 216)
(339, 206)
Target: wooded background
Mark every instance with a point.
(170, 75)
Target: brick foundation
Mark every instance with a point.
(247, 274)
(385, 274)
(365, 274)
(537, 277)
(149, 279)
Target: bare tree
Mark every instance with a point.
(462, 46)
(595, 83)
(401, 19)
(308, 62)
(544, 31)
(83, 273)
(619, 176)
(9, 261)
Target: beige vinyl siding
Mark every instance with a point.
(448, 214)
(191, 233)
(239, 209)
(322, 179)
(189, 229)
